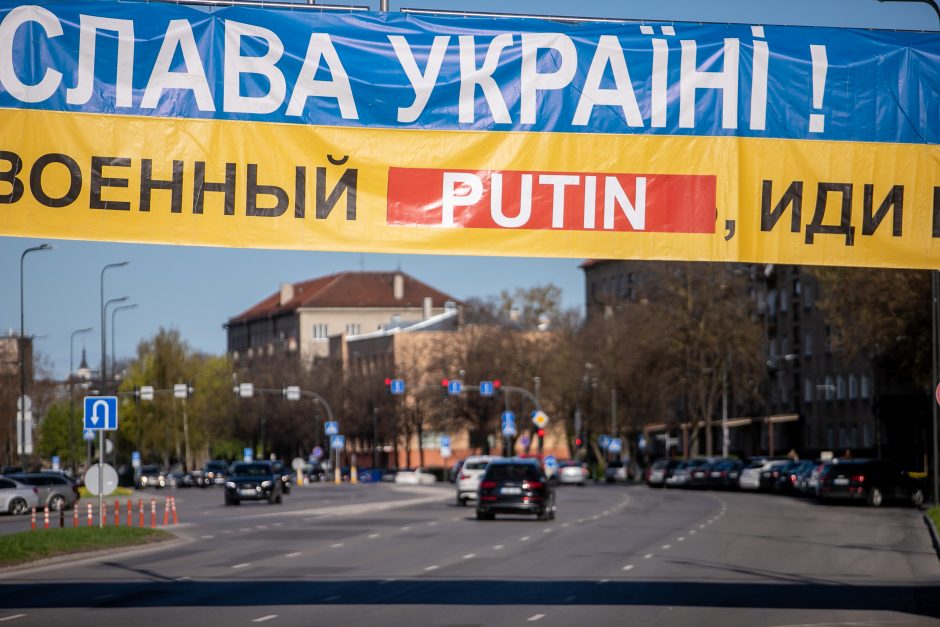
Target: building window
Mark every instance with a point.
(320, 331)
(353, 329)
(866, 435)
(807, 344)
(808, 390)
(784, 301)
(866, 386)
(853, 387)
(829, 388)
(840, 387)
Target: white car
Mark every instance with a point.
(415, 477)
(750, 475)
(572, 473)
(16, 497)
(468, 479)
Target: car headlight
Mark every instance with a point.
(265, 484)
(230, 484)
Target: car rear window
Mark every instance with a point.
(480, 465)
(513, 472)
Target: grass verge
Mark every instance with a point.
(29, 546)
(118, 492)
(934, 513)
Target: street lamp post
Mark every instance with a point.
(104, 348)
(72, 394)
(104, 361)
(22, 351)
(114, 311)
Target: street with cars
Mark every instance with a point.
(395, 554)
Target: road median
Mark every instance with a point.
(29, 547)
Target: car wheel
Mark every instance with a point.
(484, 515)
(18, 506)
(875, 497)
(57, 502)
(581, 485)
(917, 498)
(462, 502)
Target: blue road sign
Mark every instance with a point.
(317, 452)
(454, 387)
(641, 442)
(248, 454)
(525, 440)
(445, 441)
(88, 435)
(603, 441)
(509, 429)
(331, 427)
(55, 462)
(398, 386)
(508, 418)
(101, 413)
(550, 462)
(615, 446)
(486, 388)
(337, 442)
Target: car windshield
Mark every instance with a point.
(512, 472)
(476, 465)
(251, 470)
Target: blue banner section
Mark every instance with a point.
(453, 73)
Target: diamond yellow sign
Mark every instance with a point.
(540, 418)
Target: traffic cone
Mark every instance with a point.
(173, 507)
(32, 520)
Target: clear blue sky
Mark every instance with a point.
(197, 289)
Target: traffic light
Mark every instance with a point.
(578, 441)
(444, 391)
(496, 386)
(388, 386)
(541, 433)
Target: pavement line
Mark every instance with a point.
(691, 532)
(243, 565)
(405, 528)
(701, 526)
(434, 567)
(13, 617)
(469, 556)
(227, 531)
(337, 545)
(522, 539)
(666, 547)
(628, 567)
(207, 537)
(648, 556)
(373, 536)
(549, 530)
(294, 554)
(681, 538)
(264, 618)
(565, 524)
(534, 618)
(261, 526)
(455, 518)
(497, 546)
(245, 529)
(432, 523)
(277, 524)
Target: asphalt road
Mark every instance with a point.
(615, 555)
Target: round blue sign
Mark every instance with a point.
(550, 461)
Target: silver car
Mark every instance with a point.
(16, 497)
(572, 473)
(53, 488)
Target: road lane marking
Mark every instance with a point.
(244, 565)
(648, 556)
(523, 539)
(432, 523)
(536, 617)
(337, 545)
(666, 547)
(328, 599)
(294, 554)
(594, 517)
(691, 532)
(277, 524)
(549, 530)
(628, 567)
(434, 567)
(455, 518)
(245, 529)
(13, 617)
(373, 536)
(261, 526)
(565, 524)
(207, 537)
(606, 512)
(469, 556)
(405, 528)
(701, 526)
(264, 618)
(681, 538)
(497, 547)
(227, 531)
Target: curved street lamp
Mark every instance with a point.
(22, 351)
(114, 311)
(104, 348)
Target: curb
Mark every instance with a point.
(934, 534)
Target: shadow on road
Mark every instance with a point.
(912, 599)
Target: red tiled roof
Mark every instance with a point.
(348, 289)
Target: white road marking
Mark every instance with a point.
(455, 518)
(666, 547)
(701, 526)
(594, 517)
(14, 617)
(565, 524)
(691, 532)
(536, 617)
(606, 512)
(337, 545)
(244, 565)
(524, 539)
(628, 567)
(648, 556)
(208, 537)
(497, 547)
(405, 528)
(294, 554)
(264, 618)
(469, 556)
(277, 524)
(261, 526)
(373, 536)
(328, 599)
(182, 579)
(432, 524)
(434, 567)
(245, 529)
(549, 530)
(227, 531)
(580, 520)
(681, 538)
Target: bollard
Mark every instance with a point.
(62, 517)
(140, 504)
(173, 507)
(45, 517)
(32, 520)
(89, 515)
(103, 514)
(153, 513)
(130, 514)
(75, 515)
(117, 513)
(166, 511)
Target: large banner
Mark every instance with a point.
(275, 128)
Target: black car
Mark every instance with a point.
(515, 486)
(659, 471)
(870, 480)
(214, 472)
(151, 476)
(285, 474)
(252, 481)
(724, 474)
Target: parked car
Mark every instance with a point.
(252, 481)
(571, 472)
(699, 474)
(53, 489)
(151, 477)
(870, 480)
(749, 479)
(660, 471)
(515, 486)
(682, 475)
(415, 477)
(615, 471)
(789, 478)
(724, 474)
(771, 472)
(468, 481)
(455, 471)
(17, 497)
(285, 473)
(180, 479)
(215, 472)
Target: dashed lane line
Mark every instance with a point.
(13, 617)
(294, 554)
(628, 567)
(469, 556)
(681, 538)
(429, 568)
(373, 536)
(497, 547)
(524, 539)
(262, 619)
(534, 618)
(338, 545)
(666, 547)
(243, 565)
(648, 556)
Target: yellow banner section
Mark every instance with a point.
(214, 183)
